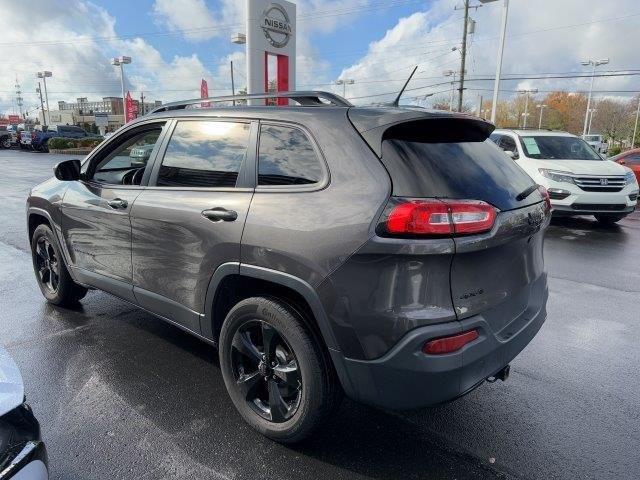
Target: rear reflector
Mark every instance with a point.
(439, 217)
(449, 344)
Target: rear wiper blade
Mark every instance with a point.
(525, 193)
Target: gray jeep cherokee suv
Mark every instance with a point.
(394, 254)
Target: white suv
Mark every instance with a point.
(579, 181)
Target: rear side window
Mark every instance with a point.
(475, 170)
(287, 157)
(204, 154)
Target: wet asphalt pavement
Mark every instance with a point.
(119, 394)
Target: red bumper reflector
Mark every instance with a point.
(449, 344)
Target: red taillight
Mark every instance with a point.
(419, 217)
(545, 195)
(440, 217)
(449, 344)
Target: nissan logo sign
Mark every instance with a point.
(276, 25)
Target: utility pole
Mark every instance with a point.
(39, 92)
(141, 112)
(594, 63)
(463, 52)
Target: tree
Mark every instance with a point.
(613, 119)
(566, 111)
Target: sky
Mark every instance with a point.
(376, 43)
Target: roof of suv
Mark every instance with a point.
(538, 133)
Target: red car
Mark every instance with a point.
(631, 159)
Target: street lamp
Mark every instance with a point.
(526, 93)
(344, 84)
(503, 32)
(44, 75)
(594, 63)
(121, 61)
(592, 112)
(541, 106)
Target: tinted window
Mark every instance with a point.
(131, 153)
(204, 154)
(495, 138)
(286, 157)
(633, 159)
(549, 147)
(462, 170)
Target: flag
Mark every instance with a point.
(204, 93)
(130, 110)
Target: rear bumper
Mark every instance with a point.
(406, 378)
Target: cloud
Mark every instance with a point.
(191, 17)
(534, 45)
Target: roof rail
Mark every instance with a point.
(310, 98)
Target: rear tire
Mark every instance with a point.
(609, 220)
(277, 375)
(52, 275)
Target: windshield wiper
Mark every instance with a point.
(525, 193)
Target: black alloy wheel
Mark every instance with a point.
(266, 371)
(47, 265)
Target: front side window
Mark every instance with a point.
(286, 157)
(204, 154)
(128, 157)
(550, 147)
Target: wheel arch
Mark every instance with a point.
(233, 282)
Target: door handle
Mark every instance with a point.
(117, 203)
(220, 214)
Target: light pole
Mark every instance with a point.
(593, 111)
(344, 84)
(526, 93)
(594, 63)
(39, 92)
(44, 75)
(121, 61)
(503, 33)
(541, 106)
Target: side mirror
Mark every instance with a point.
(513, 155)
(69, 170)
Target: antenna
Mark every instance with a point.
(397, 100)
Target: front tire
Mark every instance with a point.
(609, 220)
(52, 275)
(277, 375)
(5, 142)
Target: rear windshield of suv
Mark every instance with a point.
(474, 170)
(549, 147)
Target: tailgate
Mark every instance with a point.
(500, 275)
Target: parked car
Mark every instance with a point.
(579, 181)
(393, 254)
(22, 453)
(597, 142)
(7, 137)
(631, 159)
(26, 137)
(41, 138)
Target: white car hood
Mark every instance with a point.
(11, 387)
(583, 167)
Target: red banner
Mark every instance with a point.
(204, 92)
(14, 119)
(130, 110)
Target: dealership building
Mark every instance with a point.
(83, 112)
